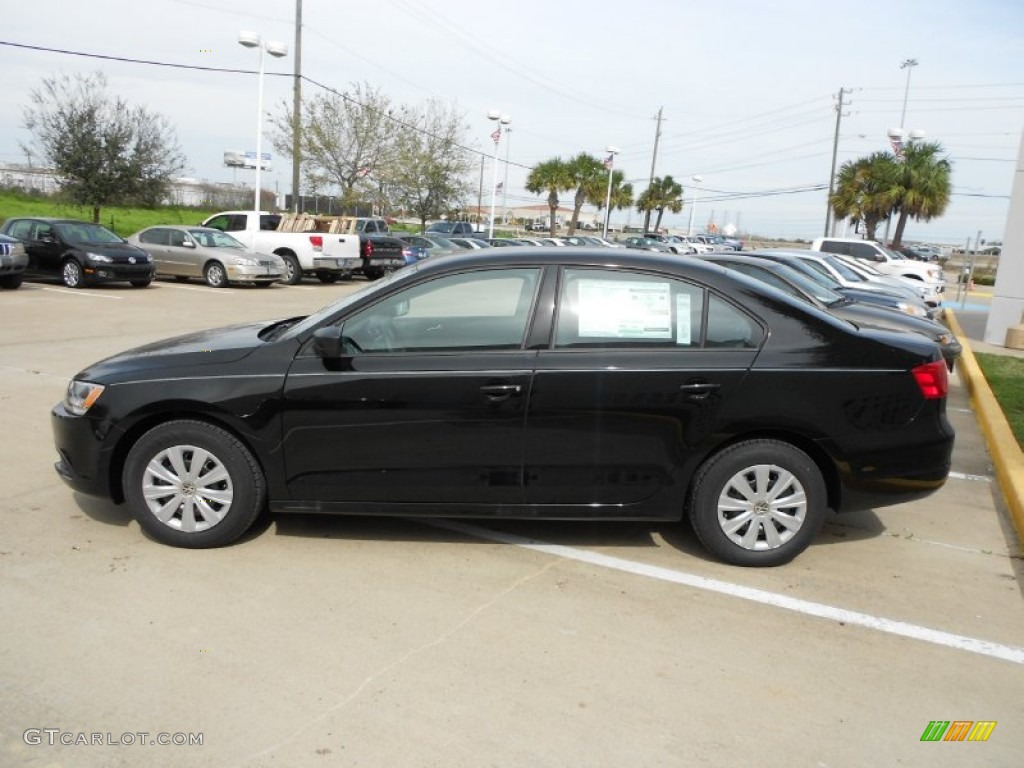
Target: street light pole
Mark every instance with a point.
(504, 184)
(502, 120)
(252, 40)
(610, 163)
(693, 203)
(907, 64)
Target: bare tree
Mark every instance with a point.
(345, 137)
(103, 150)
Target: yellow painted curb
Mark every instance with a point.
(1002, 444)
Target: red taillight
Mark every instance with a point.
(317, 241)
(933, 379)
(367, 249)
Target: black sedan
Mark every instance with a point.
(559, 383)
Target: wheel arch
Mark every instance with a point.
(817, 454)
(183, 411)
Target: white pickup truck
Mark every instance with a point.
(327, 256)
(888, 262)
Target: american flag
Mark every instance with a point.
(608, 162)
(897, 148)
(362, 173)
(496, 135)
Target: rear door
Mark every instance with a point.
(630, 394)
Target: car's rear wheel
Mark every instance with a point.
(192, 484)
(215, 275)
(759, 502)
(71, 273)
(10, 282)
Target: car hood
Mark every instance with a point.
(218, 346)
(114, 250)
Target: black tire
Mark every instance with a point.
(327, 277)
(71, 273)
(141, 283)
(215, 275)
(292, 270)
(11, 282)
(373, 273)
(778, 515)
(218, 512)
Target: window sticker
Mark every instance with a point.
(683, 324)
(622, 309)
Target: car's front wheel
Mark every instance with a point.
(71, 273)
(215, 275)
(192, 484)
(10, 282)
(759, 503)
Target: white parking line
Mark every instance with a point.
(1010, 653)
(975, 478)
(201, 288)
(80, 292)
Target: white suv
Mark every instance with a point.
(887, 262)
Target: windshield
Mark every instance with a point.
(370, 288)
(441, 226)
(84, 232)
(214, 238)
(893, 254)
(442, 242)
(845, 270)
(858, 266)
(819, 290)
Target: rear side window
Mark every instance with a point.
(835, 246)
(20, 229)
(598, 308)
(154, 236)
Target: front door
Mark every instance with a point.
(425, 407)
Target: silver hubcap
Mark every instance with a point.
(187, 488)
(71, 275)
(762, 507)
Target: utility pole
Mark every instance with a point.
(480, 191)
(840, 103)
(296, 109)
(654, 159)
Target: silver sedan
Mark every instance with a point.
(217, 257)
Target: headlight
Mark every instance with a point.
(99, 258)
(246, 261)
(944, 338)
(912, 309)
(81, 395)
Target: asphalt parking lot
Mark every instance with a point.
(367, 642)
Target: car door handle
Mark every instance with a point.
(698, 390)
(497, 392)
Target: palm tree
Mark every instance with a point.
(621, 196)
(922, 186)
(864, 191)
(588, 174)
(663, 193)
(551, 176)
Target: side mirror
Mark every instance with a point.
(189, 243)
(327, 342)
(402, 308)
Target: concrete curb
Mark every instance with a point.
(1002, 444)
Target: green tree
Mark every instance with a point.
(864, 190)
(588, 175)
(621, 193)
(922, 185)
(664, 193)
(551, 176)
(103, 150)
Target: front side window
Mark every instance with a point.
(864, 251)
(478, 310)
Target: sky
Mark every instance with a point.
(747, 88)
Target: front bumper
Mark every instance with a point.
(250, 274)
(116, 271)
(84, 457)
